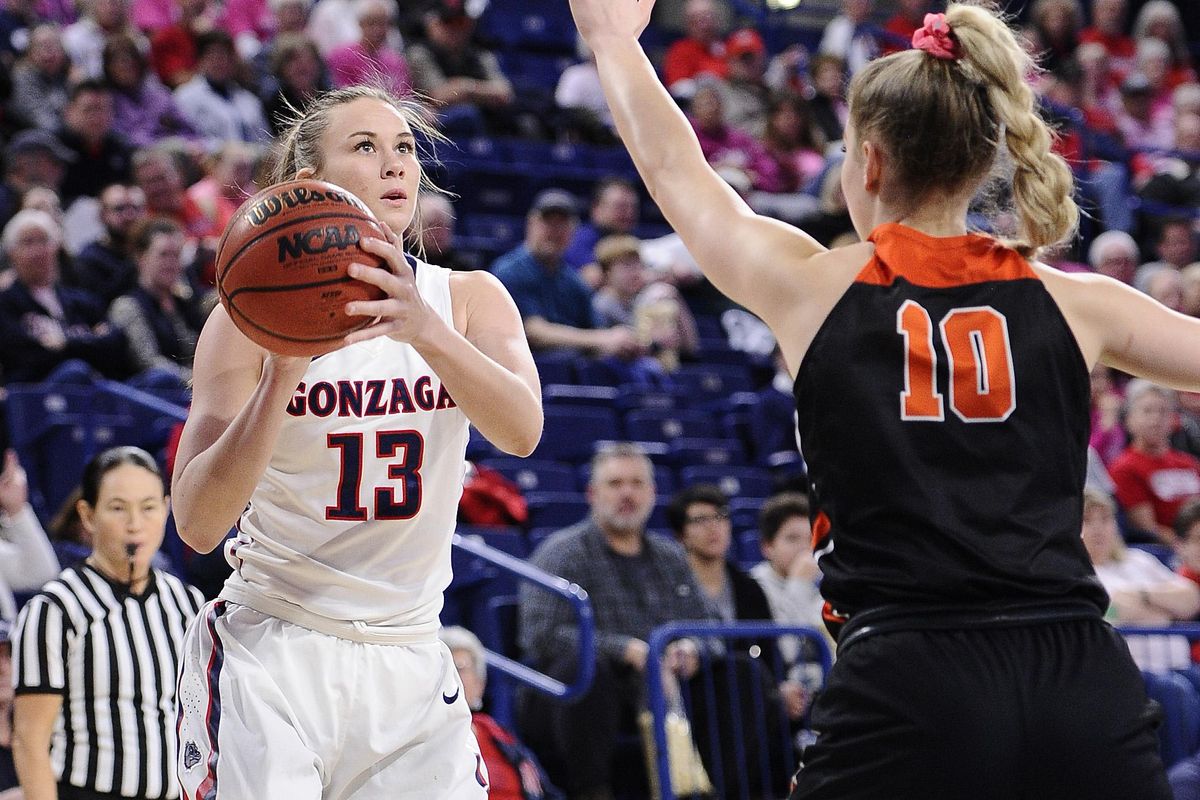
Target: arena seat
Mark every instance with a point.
(708, 451)
(571, 431)
(1179, 735)
(666, 425)
(556, 509)
(743, 482)
(565, 394)
(532, 475)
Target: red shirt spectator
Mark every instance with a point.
(899, 29)
(701, 52)
(1152, 479)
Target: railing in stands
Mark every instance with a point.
(730, 691)
(572, 593)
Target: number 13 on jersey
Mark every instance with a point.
(976, 345)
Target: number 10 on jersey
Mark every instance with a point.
(975, 343)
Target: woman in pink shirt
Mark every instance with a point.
(371, 56)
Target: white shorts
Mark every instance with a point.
(268, 709)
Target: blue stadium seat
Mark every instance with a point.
(747, 548)
(713, 383)
(560, 394)
(555, 366)
(529, 24)
(744, 482)
(570, 432)
(556, 509)
(654, 425)
(538, 535)
(710, 452)
(743, 512)
(479, 448)
(532, 475)
(501, 231)
(502, 537)
(631, 397)
(490, 189)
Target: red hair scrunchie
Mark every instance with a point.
(936, 38)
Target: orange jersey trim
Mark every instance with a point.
(939, 263)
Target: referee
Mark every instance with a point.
(96, 651)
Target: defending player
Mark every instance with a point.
(942, 391)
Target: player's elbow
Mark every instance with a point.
(523, 442)
(201, 538)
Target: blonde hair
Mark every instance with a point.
(941, 122)
(299, 145)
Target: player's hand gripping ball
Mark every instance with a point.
(281, 266)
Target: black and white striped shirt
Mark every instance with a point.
(114, 658)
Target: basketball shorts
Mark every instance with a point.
(269, 709)
(1052, 711)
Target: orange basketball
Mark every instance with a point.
(281, 266)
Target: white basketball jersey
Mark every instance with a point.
(352, 519)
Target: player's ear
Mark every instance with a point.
(304, 173)
(873, 159)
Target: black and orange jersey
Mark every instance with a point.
(943, 414)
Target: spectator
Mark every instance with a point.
(1099, 96)
(290, 16)
(1142, 125)
(1153, 59)
(435, 218)
(791, 139)
(1055, 25)
(1153, 480)
(26, 557)
(850, 35)
(1141, 589)
(32, 158)
(727, 147)
(230, 180)
(331, 24)
(1191, 289)
(1176, 180)
(104, 266)
(1107, 437)
(636, 582)
(17, 17)
(1115, 254)
(173, 47)
(299, 74)
(43, 324)
(1175, 246)
(579, 96)
(102, 156)
(1108, 30)
(745, 93)
(614, 211)
(213, 102)
(144, 110)
(830, 110)
(513, 771)
(162, 317)
(699, 518)
(1166, 286)
(1187, 549)
(700, 53)
(371, 57)
(84, 40)
(157, 174)
(251, 23)
(554, 302)
(898, 30)
(97, 651)
(39, 80)
(452, 70)
(1159, 19)
(789, 575)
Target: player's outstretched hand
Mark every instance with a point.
(624, 19)
(403, 314)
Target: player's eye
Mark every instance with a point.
(404, 148)
(365, 146)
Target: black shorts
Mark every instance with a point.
(1048, 711)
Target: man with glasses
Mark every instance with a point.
(105, 267)
(636, 583)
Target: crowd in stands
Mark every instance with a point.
(131, 130)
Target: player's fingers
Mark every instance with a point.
(386, 309)
(369, 332)
(391, 282)
(391, 235)
(389, 252)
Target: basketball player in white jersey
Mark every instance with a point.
(318, 672)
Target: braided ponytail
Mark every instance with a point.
(1043, 186)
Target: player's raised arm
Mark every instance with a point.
(751, 259)
(239, 396)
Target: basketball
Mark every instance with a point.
(281, 266)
